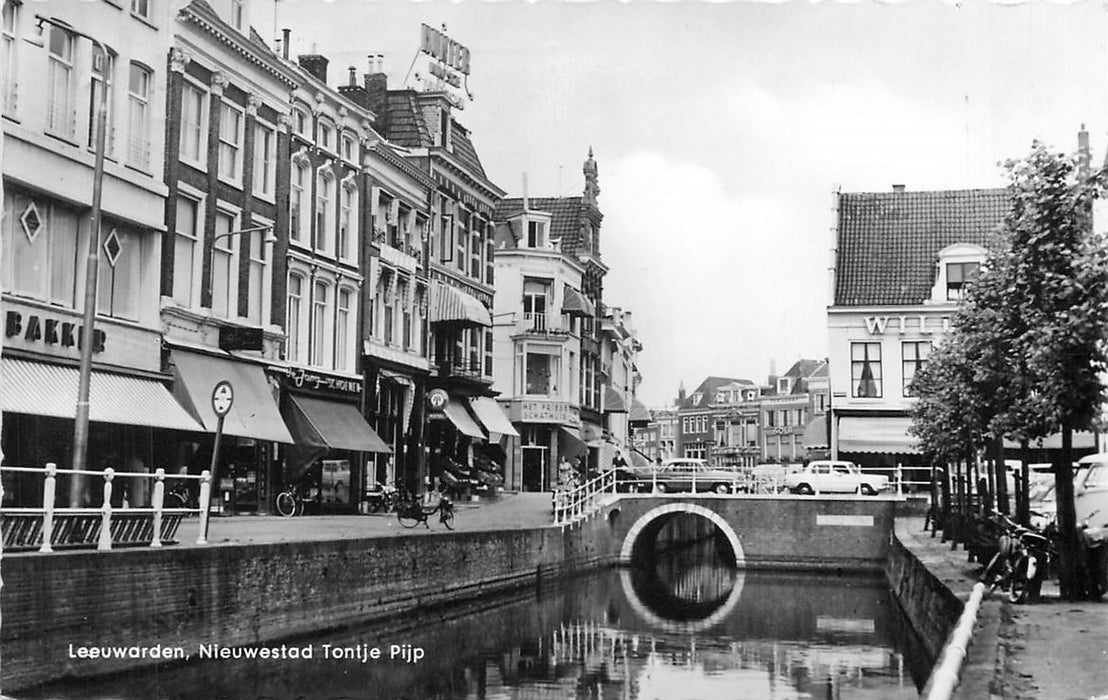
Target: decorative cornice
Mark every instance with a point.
(178, 59)
(219, 82)
(201, 14)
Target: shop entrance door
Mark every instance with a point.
(534, 468)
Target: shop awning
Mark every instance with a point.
(254, 412)
(448, 304)
(1082, 439)
(459, 416)
(815, 434)
(570, 445)
(613, 402)
(876, 434)
(41, 389)
(639, 413)
(333, 424)
(488, 411)
(576, 304)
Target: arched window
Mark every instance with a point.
(347, 243)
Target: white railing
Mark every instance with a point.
(105, 525)
(583, 500)
(534, 321)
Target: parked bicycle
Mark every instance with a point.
(292, 501)
(412, 512)
(1021, 562)
(178, 496)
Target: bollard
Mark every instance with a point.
(899, 480)
(106, 512)
(159, 504)
(49, 488)
(205, 505)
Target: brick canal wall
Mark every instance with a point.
(251, 594)
(932, 609)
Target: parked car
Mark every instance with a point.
(678, 475)
(826, 476)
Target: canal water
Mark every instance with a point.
(684, 624)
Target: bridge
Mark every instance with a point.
(830, 532)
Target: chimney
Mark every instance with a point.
(526, 202)
(353, 91)
(285, 43)
(898, 189)
(681, 392)
(377, 88)
(315, 64)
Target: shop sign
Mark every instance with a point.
(923, 325)
(442, 48)
(437, 399)
(45, 331)
(300, 378)
(240, 338)
(548, 412)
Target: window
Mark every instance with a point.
(259, 259)
(8, 66)
(535, 238)
(138, 117)
(119, 279)
(821, 404)
(326, 135)
(141, 8)
(230, 142)
(349, 148)
(446, 237)
(303, 123)
(264, 160)
(348, 205)
(185, 244)
(194, 124)
(297, 220)
(914, 357)
(294, 320)
(541, 374)
(103, 70)
(320, 304)
(865, 370)
(958, 275)
(60, 117)
(324, 211)
(223, 266)
(535, 294)
(343, 328)
(40, 249)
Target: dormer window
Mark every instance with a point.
(784, 385)
(696, 399)
(957, 266)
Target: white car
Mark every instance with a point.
(825, 476)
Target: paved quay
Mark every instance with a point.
(1050, 650)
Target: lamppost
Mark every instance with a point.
(92, 261)
(270, 238)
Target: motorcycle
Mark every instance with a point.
(381, 499)
(1021, 562)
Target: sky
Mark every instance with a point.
(721, 130)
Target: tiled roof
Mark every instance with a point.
(708, 389)
(405, 124)
(463, 150)
(889, 241)
(567, 215)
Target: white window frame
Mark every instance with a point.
(296, 342)
(302, 122)
(102, 80)
(199, 130)
(324, 211)
(227, 245)
(319, 342)
(238, 15)
(197, 247)
(349, 147)
(300, 229)
(265, 301)
(346, 241)
(346, 343)
(141, 9)
(61, 119)
(9, 57)
(138, 117)
(265, 160)
(326, 132)
(234, 147)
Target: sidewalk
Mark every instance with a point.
(1050, 650)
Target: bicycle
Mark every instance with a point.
(178, 496)
(411, 512)
(291, 501)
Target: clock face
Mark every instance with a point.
(222, 398)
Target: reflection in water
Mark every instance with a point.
(690, 626)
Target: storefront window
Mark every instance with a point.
(120, 276)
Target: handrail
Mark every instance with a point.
(944, 677)
(50, 512)
(584, 499)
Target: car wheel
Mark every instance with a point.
(722, 488)
(804, 490)
(867, 490)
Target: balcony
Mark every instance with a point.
(542, 324)
(467, 369)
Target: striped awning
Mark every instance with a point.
(452, 305)
(877, 434)
(613, 402)
(639, 413)
(576, 303)
(42, 389)
(456, 411)
(815, 434)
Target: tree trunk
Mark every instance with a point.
(1001, 475)
(945, 491)
(1070, 569)
(1023, 506)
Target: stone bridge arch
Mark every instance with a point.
(646, 519)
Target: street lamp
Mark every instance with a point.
(92, 264)
(270, 238)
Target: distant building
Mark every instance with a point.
(786, 410)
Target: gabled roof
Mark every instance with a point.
(888, 242)
(708, 389)
(567, 215)
(200, 13)
(463, 149)
(407, 127)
